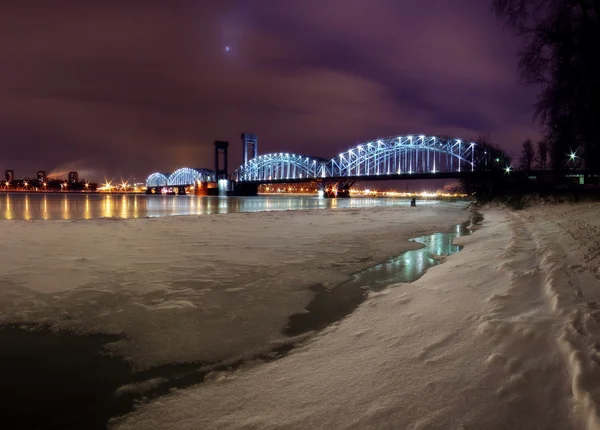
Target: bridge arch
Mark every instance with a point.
(157, 180)
(406, 155)
(282, 166)
(190, 176)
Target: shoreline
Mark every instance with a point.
(90, 207)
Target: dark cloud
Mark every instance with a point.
(127, 87)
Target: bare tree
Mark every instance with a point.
(542, 157)
(560, 57)
(527, 155)
(495, 158)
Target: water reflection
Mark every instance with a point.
(92, 206)
(45, 208)
(8, 209)
(66, 207)
(87, 213)
(412, 264)
(330, 306)
(26, 213)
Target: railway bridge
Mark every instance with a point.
(392, 158)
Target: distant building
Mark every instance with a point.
(73, 177)
(9, 175)
(42, 177)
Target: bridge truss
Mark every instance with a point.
(181, 177)
(278, 166)
(393, 156)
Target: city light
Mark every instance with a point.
(406, 194)
(106, 187)
(313, 189)
(572, 156)
(43, 184)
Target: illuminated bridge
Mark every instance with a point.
(180, 178)
(398, 157)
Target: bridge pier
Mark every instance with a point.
(244, 189)
(180, 190)
(336, 189)
(154, 190)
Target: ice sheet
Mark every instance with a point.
(504, 334)
(189, 289)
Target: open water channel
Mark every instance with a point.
(69, 206)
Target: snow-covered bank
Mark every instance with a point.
(504, 335)
(195, 288)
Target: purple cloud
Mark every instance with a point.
(127, 87)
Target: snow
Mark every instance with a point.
(504, 334)
(195, 289)
(141, 387)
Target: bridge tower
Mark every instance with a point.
(249, 146)
(221, 152)
(221, 172)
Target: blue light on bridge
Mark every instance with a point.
(429, 155)
(405, 155)
(181, 177)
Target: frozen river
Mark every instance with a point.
(124, 308)
(23, 206)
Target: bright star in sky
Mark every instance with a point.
(227, 48)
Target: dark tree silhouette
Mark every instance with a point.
(542, 157)
(560, 56)
(527, 155)
(495, 157)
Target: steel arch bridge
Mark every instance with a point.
(392, 157)
(188, 176)
(157, 180)
(185, 176)
(279, 166)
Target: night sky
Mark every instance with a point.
(127, 87)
